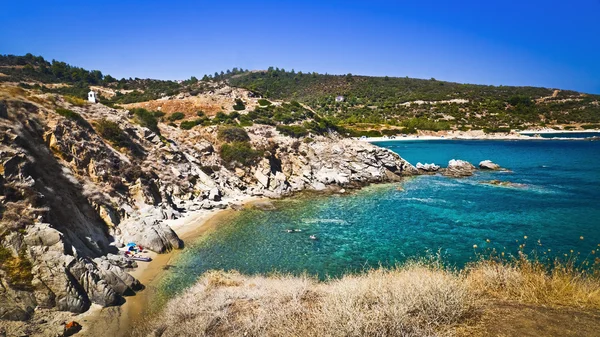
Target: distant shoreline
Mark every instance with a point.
(480, 135)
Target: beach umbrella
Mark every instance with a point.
(131, 244)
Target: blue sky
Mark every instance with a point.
(541, 43)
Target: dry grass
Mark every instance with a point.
(527, 280)
(413, 300)
(417, 299)
(76, 101)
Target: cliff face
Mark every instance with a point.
(69, 197)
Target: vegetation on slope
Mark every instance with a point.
(368, 102)
(358, 105)
(416, 299)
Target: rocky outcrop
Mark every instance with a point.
(489, 165)
(69, 197)
(427, 168)
(458, 168)
(501, 183)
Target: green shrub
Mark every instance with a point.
(69, 114)
(496, 129)
(147, 118)
(239, 105)
(426, 124)
(233, 134)
(590, 126)
(200, 113)
(18, 269)
(390, 132)
(239, 152)
(176, 116)
(264, 102)
(187, 125)
(112, 132)
(295, 131)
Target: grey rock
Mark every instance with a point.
(488, 165)
(459, 168)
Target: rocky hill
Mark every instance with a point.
(357, 105)
(79, 180)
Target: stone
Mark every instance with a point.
(488, 165)
(214, 194)
(427, 167)
(459, 168)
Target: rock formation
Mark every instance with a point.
(488, 165)
(459, 168)
(69, 197)
(427, 168)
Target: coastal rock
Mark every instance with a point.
(80, 197)
(500, 183)
(459, 168)
(427, 167)
(159, 238)
(214, 194)
(488, 165)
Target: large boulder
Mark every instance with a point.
(459, 168)
(488, 165)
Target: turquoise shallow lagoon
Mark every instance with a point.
(386, 224)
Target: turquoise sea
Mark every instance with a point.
(557, 204)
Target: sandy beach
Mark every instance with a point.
(479, 135)
(119, 320)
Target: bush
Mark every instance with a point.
(187, 125)
(147, 118)
(496, 129)
(239, 153)
(414, 300)
(76, 100)
(590, 126)
(18, 269)
(69, 114)
(112, 132)
(239, 105)
(233, 134)
(176, 116)
(295, 131)
(264, 102)
(200, 113)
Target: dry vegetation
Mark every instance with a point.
(417, 299)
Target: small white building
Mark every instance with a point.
(92, 97)
(339, 99)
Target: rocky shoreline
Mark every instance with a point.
(80, 197)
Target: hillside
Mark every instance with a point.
(366, 105)
(79, 180)
(386, 102)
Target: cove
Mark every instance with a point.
(556, 203)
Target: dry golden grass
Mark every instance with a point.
(531, 281)
(413, 300)
(76, 101)
(417, 299)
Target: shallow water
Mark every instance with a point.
(557, 203)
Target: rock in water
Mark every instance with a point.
(459, 168)
(428, 167)
(488, 165)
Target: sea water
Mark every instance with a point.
(554, 202)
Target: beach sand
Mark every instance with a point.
(119, 321)
(478, 135)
